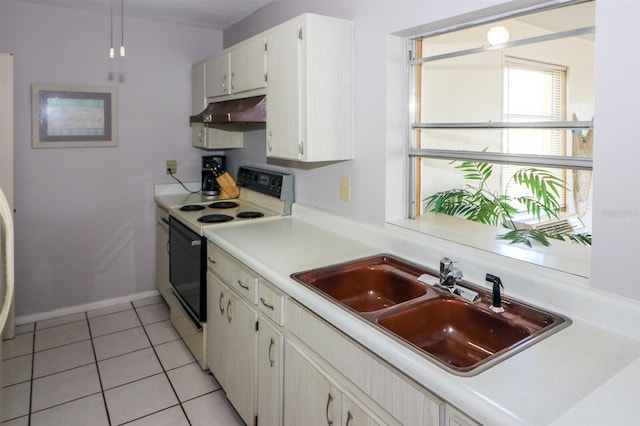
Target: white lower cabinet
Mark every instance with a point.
(311, 398)
(270, 378)
(232, 346)
(162, 253)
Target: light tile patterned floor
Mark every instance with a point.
(124, 364)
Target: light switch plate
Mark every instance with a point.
(345, 188)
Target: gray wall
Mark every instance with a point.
(85, 225)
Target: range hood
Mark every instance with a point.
(238, 112)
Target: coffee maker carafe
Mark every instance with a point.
(209, 185)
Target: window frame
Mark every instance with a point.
(416, 153)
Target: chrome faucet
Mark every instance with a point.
(449, 274)
(449, 278)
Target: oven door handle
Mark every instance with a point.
(195, 243)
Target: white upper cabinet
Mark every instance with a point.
(217, 75)
(248, 66)
(310, 89)
(239, 69)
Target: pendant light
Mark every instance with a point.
(122, 30)
(111, 51)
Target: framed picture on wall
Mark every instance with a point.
(73, 116)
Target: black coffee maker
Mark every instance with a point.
(209, 184)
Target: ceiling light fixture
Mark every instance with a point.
(122, 31)
(497, 35)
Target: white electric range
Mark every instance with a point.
(264, 195)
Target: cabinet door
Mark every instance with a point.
(269, 374)
(240, 356)
(198, 91)
(248, 66)
(216, 326)
(283, 90)
(162, 260)
(217, 75)
(309, 398)
(354, 415)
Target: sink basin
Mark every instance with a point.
(456, 333)
(462, 337)
(368, 284)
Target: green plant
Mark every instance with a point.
(477, 202)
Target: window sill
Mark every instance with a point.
(561, 256)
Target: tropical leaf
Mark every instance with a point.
(478, 203)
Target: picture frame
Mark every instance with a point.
(73, 116)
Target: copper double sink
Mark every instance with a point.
(464, 338)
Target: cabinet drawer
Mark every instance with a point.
(271, 302)
(232, 272)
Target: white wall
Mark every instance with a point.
(380, 141)
(85, 225)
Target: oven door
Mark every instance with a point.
(187, 268)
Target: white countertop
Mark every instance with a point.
(588, 373)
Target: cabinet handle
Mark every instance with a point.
(349, 417)
(271, 345)
(243, 285)
(220, 303)
(264, 302)
(232, 85)
(168, 248)
(211, 260)
(229, 311)
(329, 399)
(224, 83)
(269, 141)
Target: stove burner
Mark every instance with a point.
(191, 208)
(214, 218)
(249, 215)
(223, 205)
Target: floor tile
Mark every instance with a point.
(61, 335)
(20, 421)
(120, 343)
(174, 354)
(109, 310)
(111, 323)
(22, 344)
(74, 413)
(153, 313)
(16, 370)
(173, 416)
(138, 399)
(15, 401)
(64, 387)
(128, 368)
(161, 332)
(190, 381)
(80, 316)
(25, 328)
(62, 358)
(148, 301)
(212, 409)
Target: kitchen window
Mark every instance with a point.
(481, 111)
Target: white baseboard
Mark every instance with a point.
(28, 319)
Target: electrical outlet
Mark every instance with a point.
(345, 189)
(173, 166)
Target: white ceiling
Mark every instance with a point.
(214, 14)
